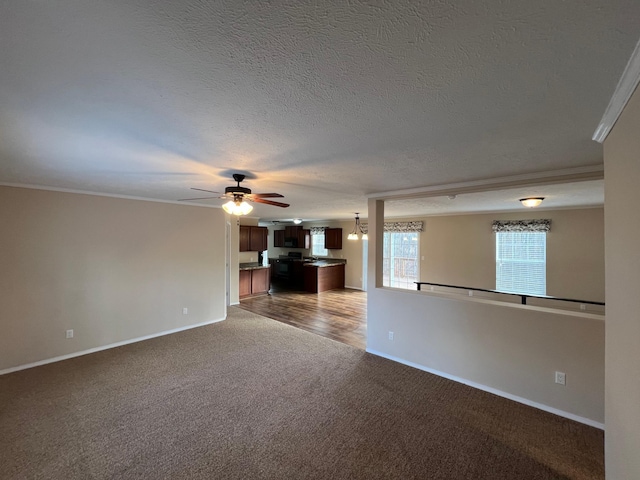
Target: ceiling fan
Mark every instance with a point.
(237, 205)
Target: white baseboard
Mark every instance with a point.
(105, 347)
(353, 288)
(500, 393)
(234, 303)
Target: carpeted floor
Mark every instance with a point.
(252, 398)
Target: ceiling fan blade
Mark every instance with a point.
(202, 190)
(266, 195)
(270, 202)
(200, 198)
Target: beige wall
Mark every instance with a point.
(510, 348)
(460, 250)
(622, 400)
(110, 269)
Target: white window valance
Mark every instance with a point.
(540, 225)
(317, 230)
(398, 227)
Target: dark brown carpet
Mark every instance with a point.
(252, 398)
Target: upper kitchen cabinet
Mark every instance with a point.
(304, 239)
(333, 238)
(253, 239)
(292, 231)
(245, 234)
(292, 237)
(258, 239)
(278, 238)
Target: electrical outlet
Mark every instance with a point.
(185, 311)
(69, 333)
(561, 378)
(583, 306)
(390, 335)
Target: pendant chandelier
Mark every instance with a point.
(357, 231)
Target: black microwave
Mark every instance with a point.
(291, 242)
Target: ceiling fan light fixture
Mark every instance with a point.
(531, 202)
(237, 207)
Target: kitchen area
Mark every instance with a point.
(296, 269)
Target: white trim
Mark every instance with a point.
(577, 174)
(234, 303)
(101, 194)
(500, 393)
(353, 288)
(106, 347)
(621, 95)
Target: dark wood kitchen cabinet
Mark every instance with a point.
(278, 238)
(292, 231)
(304, 239)
(258, 239)
(245, 234)
(254, 281)
(333, 238)
(292, 237)
(260, 280)
(244, 288)
(320, 279)
(253, 239)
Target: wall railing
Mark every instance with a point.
(523, 297)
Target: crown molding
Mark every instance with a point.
(102, 194)
(567, 175)
(625, 88)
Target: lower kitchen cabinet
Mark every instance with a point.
(320, 279)
(254, 282)
(260, 280)
(245, 283)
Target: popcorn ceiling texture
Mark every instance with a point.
(324, 102)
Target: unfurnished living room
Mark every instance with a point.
(323, 240)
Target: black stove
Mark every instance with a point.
(291, 256)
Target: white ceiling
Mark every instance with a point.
(324, 102)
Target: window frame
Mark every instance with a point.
(323, 251)
(389, 257)
(524, 262)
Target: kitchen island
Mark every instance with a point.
(322, 275)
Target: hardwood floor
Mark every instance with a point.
(337, 314)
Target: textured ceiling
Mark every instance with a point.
(324, 102)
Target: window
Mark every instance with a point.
(317, 245)
(521, 262)
(400, 259)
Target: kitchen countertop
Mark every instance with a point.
(329, 262)
(252, 266)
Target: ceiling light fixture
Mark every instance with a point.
(237, 206)
(531, 201)
(297, 221)
(357, 230)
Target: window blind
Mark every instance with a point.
(521, 262)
